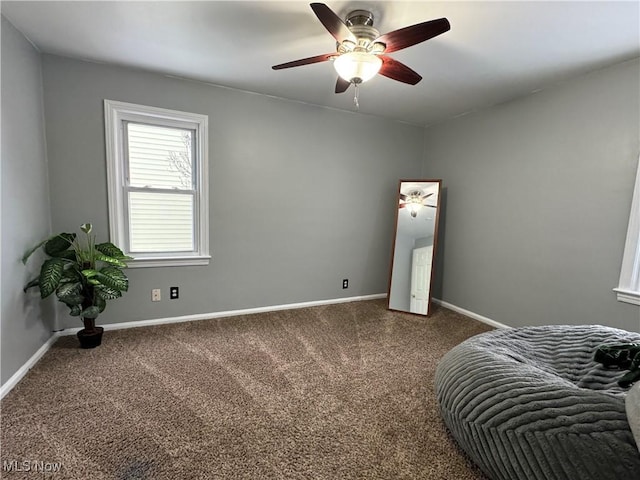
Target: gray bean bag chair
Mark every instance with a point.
(530, 403)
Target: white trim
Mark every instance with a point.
(628, 289)
(228, 313)
(470, 314)
(114, 114)
(169, 261)
(627, 296)
(28, 365)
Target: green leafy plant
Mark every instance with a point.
(82, 274)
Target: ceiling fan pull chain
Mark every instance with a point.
(355, 97)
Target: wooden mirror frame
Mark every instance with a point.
(431, 275)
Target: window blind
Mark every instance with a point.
(160, 188)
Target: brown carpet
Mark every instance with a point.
(332, 392)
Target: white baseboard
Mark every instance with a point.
(470, 314)
(228, 313)
(22, 371)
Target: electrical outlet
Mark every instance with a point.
(174, 292)
(155, 295)
(345, 283)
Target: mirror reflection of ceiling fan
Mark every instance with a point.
(414, 201)
(361, 52)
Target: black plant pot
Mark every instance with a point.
(90, 339)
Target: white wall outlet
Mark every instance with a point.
(155, 295)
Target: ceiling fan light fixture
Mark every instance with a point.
(357, 67)
(413, 209)
(414, 203)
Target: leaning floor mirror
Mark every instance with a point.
(414, 244)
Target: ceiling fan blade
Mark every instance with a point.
(333, 23)
(407, 36)
(427, 195)
(342, 85)
(398, 71)
(403, 196)
(305, 61)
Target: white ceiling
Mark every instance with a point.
(494, 52)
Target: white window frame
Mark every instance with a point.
(629, 285)
(115, 114)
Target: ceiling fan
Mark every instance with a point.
(361, 50)
(414, 201)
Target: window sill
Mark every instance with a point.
(148, 262)
(627, 296)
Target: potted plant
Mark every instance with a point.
(83, 275)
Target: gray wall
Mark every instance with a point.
(26, 321)
(424, 242)
(301, 196)
(538, 193)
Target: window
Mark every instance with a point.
(629, 286)
(157, 179)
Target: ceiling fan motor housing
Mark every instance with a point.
(360, 22)
(359, 17)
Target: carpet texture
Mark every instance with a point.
(341, 391)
